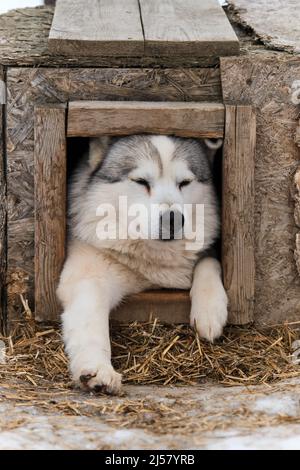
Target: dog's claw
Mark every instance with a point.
(84, 378)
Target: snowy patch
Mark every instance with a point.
(278, 405)
(270, 438)
(2, 353)
(7, 5)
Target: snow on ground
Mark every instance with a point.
(12, 4)
(202, 417)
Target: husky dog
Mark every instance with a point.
(99, 272)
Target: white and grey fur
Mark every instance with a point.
(98, 274)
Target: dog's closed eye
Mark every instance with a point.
(184, 183)
(143, 182)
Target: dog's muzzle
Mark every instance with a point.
(170, 225)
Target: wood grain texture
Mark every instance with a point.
(97, 27)
(187, 27)
(238, 244)
(264, 81)
(169, 306)
(3, 209)
(93, 118)
(26, 44)
(50, 181)
(28, 87)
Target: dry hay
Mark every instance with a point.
(35, 372)
(155, 353)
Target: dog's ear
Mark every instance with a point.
(97, 151)
(212, 145)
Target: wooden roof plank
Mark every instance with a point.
(97, 28)
(189, 27)
(141, 27)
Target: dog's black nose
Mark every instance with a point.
(170, 225)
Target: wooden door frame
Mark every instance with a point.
(236, 124)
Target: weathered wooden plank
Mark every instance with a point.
(93, 118)
(187, 27)
(3, 208)
(26, 44)
(97, 27)
(28, 87)
(50, 181)
(265, 81)
(169, 306)
(238, 212)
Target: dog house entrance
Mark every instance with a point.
(236, 124)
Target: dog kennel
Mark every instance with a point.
(149, 84)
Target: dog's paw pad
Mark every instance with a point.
(104, 379)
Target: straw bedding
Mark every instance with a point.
(153, 353)
(36, 370)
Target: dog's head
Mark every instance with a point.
(155, 182)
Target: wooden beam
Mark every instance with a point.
(238, 212)
(50, 206)
(169, 306)
(187, 27)
(97, 28)
(94, 118)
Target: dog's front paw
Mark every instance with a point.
(209, 313)
(100, 379)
